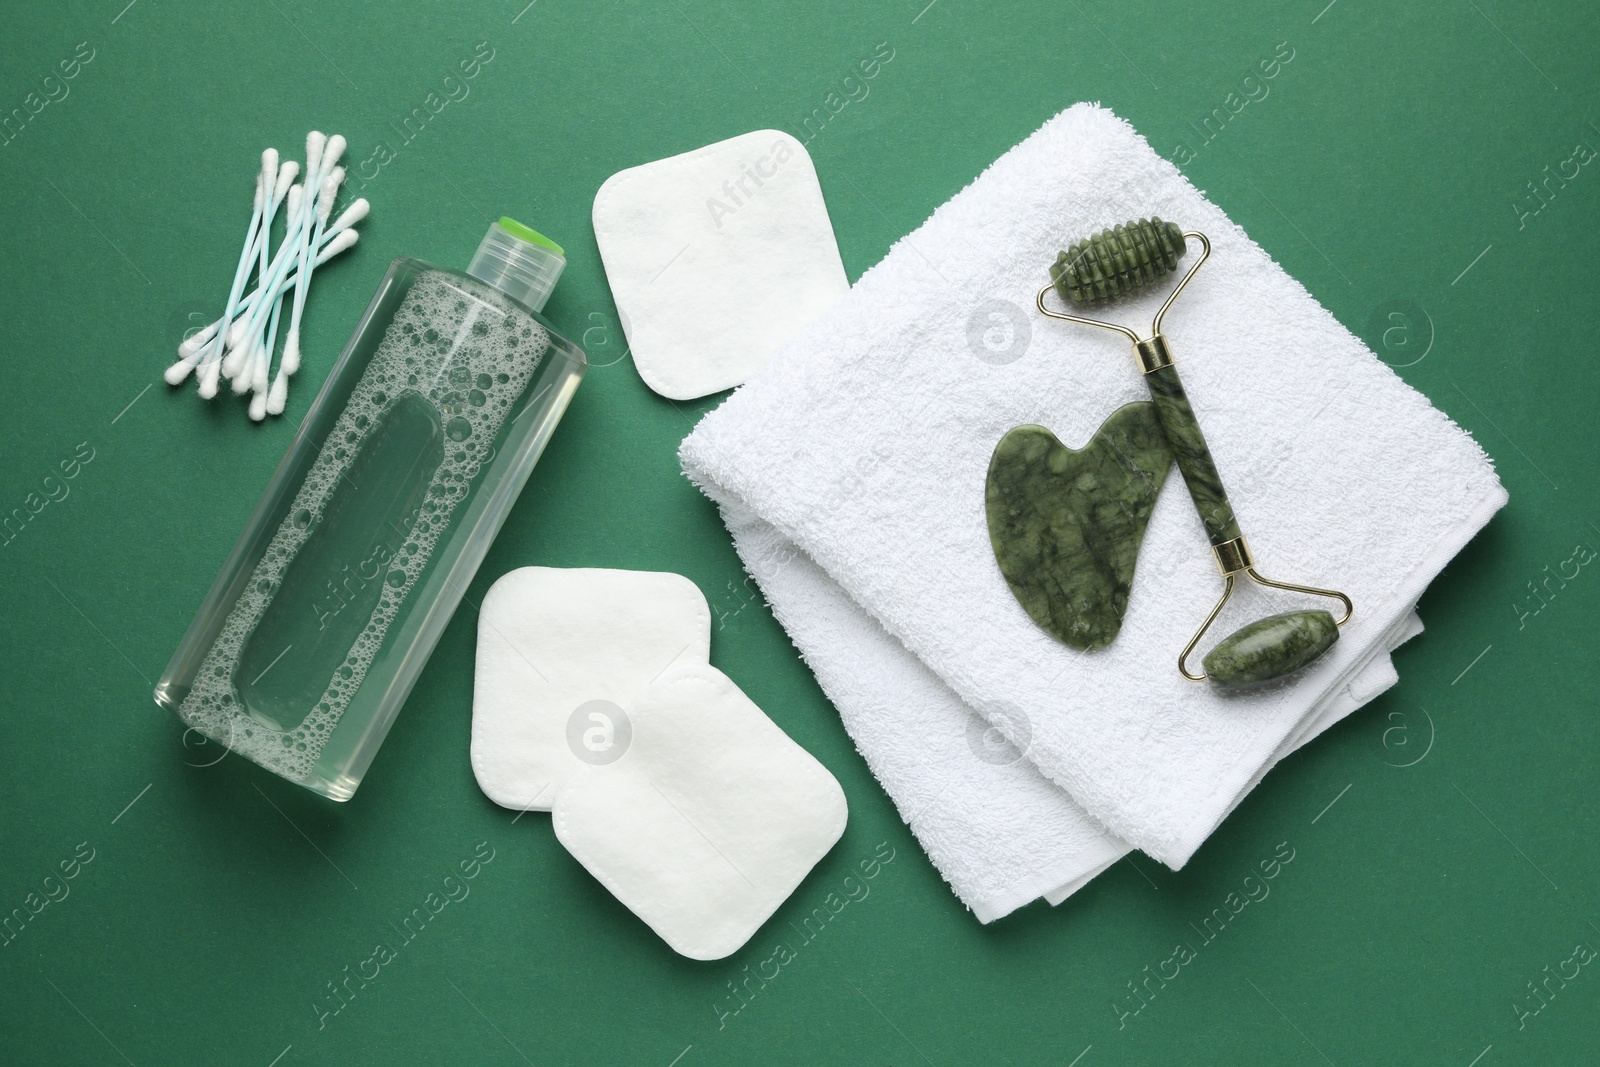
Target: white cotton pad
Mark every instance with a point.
(710, 820)
(716, 257)
(561, 653)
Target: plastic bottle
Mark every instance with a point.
(379, 515)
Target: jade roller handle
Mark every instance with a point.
(1191, 453)
(1269, 648)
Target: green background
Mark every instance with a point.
(1384, 169)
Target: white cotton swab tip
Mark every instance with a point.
(192, 345)
(208, 379)
(316, 141)
(332, 151)
(258, 406)
(240, 372)
(352, 215)
(176, 373)
(296, 192)
(278, 394)
(329, 193)
(286, 176)
(236, 333)
(341, 241)
(258, 376)
(269, 163)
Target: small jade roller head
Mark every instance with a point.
(1117, 261)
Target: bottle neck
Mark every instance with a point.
(525, 271)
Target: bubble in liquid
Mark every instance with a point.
(302, 518)
(458, 429)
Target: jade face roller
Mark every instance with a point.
(1126, 458)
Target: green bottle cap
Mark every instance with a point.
(527, 233)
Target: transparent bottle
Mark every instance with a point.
(379, 515)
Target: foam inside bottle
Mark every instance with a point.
(443, 381)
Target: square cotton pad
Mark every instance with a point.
(560, 654)
(710, 819)
(715, 257)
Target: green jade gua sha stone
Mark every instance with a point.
(1066, 525)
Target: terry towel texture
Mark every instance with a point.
(998, 831)
(864, 444)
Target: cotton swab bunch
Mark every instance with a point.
(239, 345)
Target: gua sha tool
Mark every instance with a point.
(1066, 525)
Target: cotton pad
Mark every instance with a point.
(715, 257)
(561, 653)
(709, 821)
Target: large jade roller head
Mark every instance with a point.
(1135, 256)
(1117, 261)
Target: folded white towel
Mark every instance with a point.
(866, 440)
(999, 832)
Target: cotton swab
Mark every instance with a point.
(284, 182)
(241, 344)
(191, 354)
(233, 362)
(291, 346)
(273, 276)
(298, 220)
(321, 207)
(180, 370)
(251, 370)
(326, 194)
(258, 383)
(336, 239)
(265, 186)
